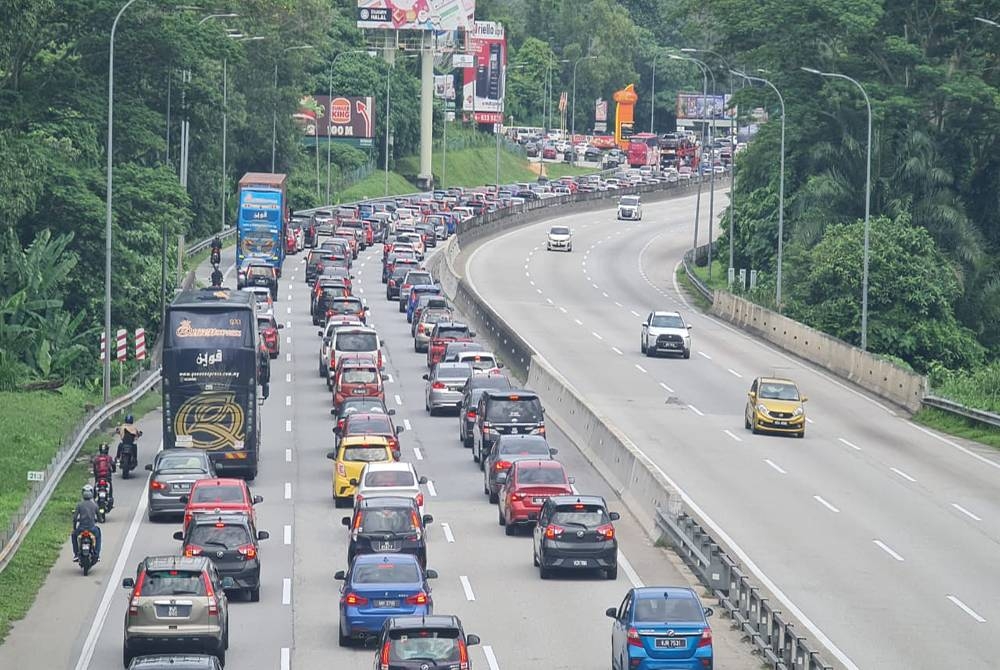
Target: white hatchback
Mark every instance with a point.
(390, 479)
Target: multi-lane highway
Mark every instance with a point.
(485, 577)
(882, 533)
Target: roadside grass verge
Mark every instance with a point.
(556, 170)
(719, 279)
(472, 167)
(373, 186)
(692, 293)
(958, 426)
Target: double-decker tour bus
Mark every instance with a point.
(212, 378)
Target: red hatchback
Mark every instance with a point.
(212, 496)
(443, 333)
(269, 327)
(371, 424)
(529, 484)
(357, 380)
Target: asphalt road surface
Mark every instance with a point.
(882, 533)
(485, 577)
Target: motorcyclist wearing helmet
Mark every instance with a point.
(217, 277)
(129, 434)
(216, 250)
(85, 518)
(103, 466)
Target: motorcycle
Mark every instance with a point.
(88, 550)
(216, 257)
(129, 459)
(102, 496)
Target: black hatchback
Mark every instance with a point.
(388, 525)
(512, 412)
(231, 542)
(418, 642)
(576, 533)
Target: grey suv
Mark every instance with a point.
(178, 604)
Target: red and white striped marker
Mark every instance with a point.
(104, 345)
(122, 338)
(140, 344)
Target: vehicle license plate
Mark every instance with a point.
(386, 603)
(780, 423)
(173, 611)
(671, 642)
(581, 563)
(538, 501)
(182, 487)
(385, 546)
(358, 391)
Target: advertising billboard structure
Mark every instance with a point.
(701, 108)
(343, 117)
(483, 84)
(438, 15)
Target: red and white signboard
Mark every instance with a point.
(483, 84)
(104, 345)
(140, 344)
(122, 341)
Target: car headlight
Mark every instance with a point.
(797, 412)
(763, 410)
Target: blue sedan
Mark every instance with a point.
(414, 297)
(380, 586)
(661, 628)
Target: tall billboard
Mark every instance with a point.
(440, 15)
(483, 84)
(345, 116)
(697, 107)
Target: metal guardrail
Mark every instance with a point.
(698, 284)
(205, 243)
(22, 521)
(766, 628)
(988, 418)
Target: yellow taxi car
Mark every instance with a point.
(775, 406)
(350, 456)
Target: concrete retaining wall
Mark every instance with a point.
(881, 377)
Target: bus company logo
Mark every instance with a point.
(210, 421)
(185, 329)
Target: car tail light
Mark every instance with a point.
(187, 519)
(420, 500)
(357, 522)
(341, 470)
(437, 385)
(415, 519)
(503, 465)
(608, 531)
(392, 283)
(157, 486)
(319, 267)
(383, 658)
(515, 497)
(340, 424)
(706, 638)
(193, 550)
(634, 640)
(471, 415)
(355, 599)
(463, 655)
(553, 531)
(133, 607)
(418, 599)
(248, 551)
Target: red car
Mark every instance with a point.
(269, 328)
(528, 485)
(291, 242)
(371, 424)
(357, 380)
(549, 152)
(212, 496)
(443, 333)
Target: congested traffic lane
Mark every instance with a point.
(486, 578)
(853, 518)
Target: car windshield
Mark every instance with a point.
(522, 410)
(665, 610)
(559, 230)
(777, 391)
(629, 200)
(386, 573)
(173, 583)
(435, 646)
(357, 342)
(390, 478)
(581, 515)
(364, 453)
(371, 425)
(180, 462)
(667, 321)
(358, 376)
(386, 520)
(216, 535)
(217, 494)
(524, 447)
(535, 475)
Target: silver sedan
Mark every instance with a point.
(445, 382)
(174, 473)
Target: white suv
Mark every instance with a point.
(560, 237)
(630, 208)
(665, 332)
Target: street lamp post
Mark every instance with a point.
(274, 108)
(652, 97)
(108, 198)
(572, 131)
(697, 202)
(711, 160)
(781, 185)
(547, 116)
(868, 198)
(388, 77)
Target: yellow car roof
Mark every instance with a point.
(360, 440)
(776, 380)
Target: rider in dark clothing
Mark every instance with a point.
(85, 518)
(217, 277)
(103, 466)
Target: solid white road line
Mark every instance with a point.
(852, 446)
(735, 373)
(286, 658)
(696, 410)
(467, 587)
(827, 505)
(640, 368)
(406, 424)
(288, 490)
(288, 534)
(884, 547)
(966, 512)
(431, 489)
(286, 591)
(288, 425)
(446, 528)
(288, 455)
(288, 401)
(617, 351)
(733, 435)
(630, 572)
(965, 608)
(903, 475)
(114, 585)
(666, 388)
(416, 454)
(776, 467)
(491, 659)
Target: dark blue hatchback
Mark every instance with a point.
(661, 628)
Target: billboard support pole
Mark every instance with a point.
(425, 179)
(444, 147)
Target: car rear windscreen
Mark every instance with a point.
(222, 494)
(525, 447)
(173, 583)
(365, 454)
(415, 646)
(418, 278)
(386, 573)
(664, 610)
(522, 410)
(534, 475)
(390, 478)
(453, 331)
(386, 520)
(211, 535)
(357, 342)
(580, 515)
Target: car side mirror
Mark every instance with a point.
(319, 333)
(431, 574)
(185, 499)
(149, 467)
(709, 612)
(345, 521)
(281, 326)
(611, 612)
(266, 391)
(340, 575)
(499, 365)
(472, 639)
(399, 429)
(751, 395)
(392, 412)
(128, 583)
(179, 535)
(381, 343)
(553, 451)
(571, 480)
(258, 499)
(422, 480)
(428, 519)
(332, 455)
(353, 482)
(471, 334)
(690, 326)
(614, 516)
(805, 398)
(501, 477)
(263, 535)
(333, 412)
(424, 377)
